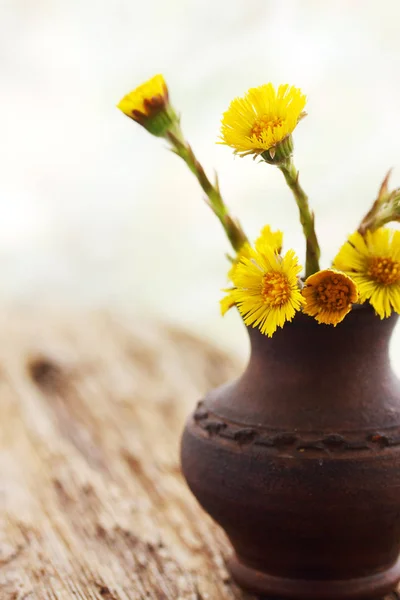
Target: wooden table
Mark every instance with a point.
(93, 505)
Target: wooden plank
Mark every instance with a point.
(93, 505)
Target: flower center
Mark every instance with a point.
(333, 294)
(275, 289)
(384, 270)
(263, 124)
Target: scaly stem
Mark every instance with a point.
(306, 216)
(385, 209)
(379, 219)
(231, 226)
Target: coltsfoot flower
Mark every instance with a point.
(149, 106)
(262, 121)
(373, 262)
(329, 296)
(267, 238)
(266, 289)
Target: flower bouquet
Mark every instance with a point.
(299, 459)
(267, 286)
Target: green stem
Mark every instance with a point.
(385, 209)
(377, 220)
(231, 226)
(291, 176)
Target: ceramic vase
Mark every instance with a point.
(299, 461)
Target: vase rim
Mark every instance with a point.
(359, 312)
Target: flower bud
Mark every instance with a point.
(149, 106)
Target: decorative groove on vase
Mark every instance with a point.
(214, 425)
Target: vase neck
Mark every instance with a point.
(312, 376)
(361, 338)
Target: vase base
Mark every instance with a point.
(371, 587)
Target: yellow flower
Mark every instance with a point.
(267, 237)
(272, 239)
(329, 296)
(262, 119)
(374, 264)
(149, 106)
(266, 289)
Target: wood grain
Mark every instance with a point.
(93, 506)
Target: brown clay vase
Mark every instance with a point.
(299, 461)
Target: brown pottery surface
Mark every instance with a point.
(299, 461)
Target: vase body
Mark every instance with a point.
(299, 461)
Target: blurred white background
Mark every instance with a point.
(96, 213)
